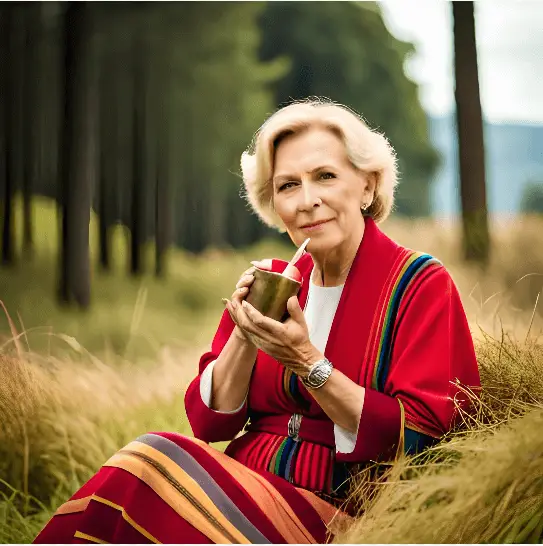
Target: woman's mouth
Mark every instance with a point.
(315, 225)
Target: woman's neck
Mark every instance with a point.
(333, 269)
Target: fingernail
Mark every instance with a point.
(224, 301)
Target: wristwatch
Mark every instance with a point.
(318, 374)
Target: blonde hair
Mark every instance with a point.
(368, 151)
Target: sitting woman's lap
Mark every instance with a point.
(169, 488)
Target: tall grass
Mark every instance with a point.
(481, 485)
(60, 420)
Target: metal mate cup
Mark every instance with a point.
(270, 292)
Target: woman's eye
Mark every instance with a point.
(286, 186)
(327, 175)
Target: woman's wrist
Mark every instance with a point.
(242, 338)
(311, 356)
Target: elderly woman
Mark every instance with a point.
(367, 363)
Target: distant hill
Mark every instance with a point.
(514, 155)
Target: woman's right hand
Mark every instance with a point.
(242, 287)
(242, 290)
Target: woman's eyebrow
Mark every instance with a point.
(322, 168)
(282, 177)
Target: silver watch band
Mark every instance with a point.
(319, 374)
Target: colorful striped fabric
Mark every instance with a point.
(411, 265)
(291, 388)
(414, 265)
(306, 464)
(167, 488)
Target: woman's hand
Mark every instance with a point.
(287, 342)
(240, 293)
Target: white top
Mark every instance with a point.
(319, 312)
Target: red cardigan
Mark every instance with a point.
(399, 330)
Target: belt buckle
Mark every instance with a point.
(294, 426)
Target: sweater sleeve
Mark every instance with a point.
(433, 349)
(345, 440)
(206, 388)
(207, 424)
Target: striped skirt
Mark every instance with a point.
(168, 488)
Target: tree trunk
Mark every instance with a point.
(8, 92)
(137, 228)
(162, 95)
(196, 215)
(476, 237)
(163, 205)
(31, 115)
(78, 155)
(103, 209)
(105, 140)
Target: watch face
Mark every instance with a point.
(319, 373)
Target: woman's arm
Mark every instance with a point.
(433, 349)
(232, 373)
(340, 398)
(216, 400)
(208, 424)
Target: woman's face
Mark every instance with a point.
(315, 183)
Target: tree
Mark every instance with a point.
(163, 206)
(78, 154)
(476, 236)
(32, 81)
(532, 198)
(9, 92)
(343, 51)
(217, 50)
(106, 180)
(139, 154)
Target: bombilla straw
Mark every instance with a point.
(298, 255)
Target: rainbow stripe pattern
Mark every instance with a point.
(284, 459)
(292, 390)
(413, 266)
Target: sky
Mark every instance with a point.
(510, 54)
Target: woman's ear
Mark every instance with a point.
(369, 187)
(371, 183)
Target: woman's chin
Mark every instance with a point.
(322, 244)
(320, 241)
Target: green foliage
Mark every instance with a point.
(532, 198)
(220, 99)
(343, 51)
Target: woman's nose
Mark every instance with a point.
(309, 199)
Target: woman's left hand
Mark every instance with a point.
(288, 342)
